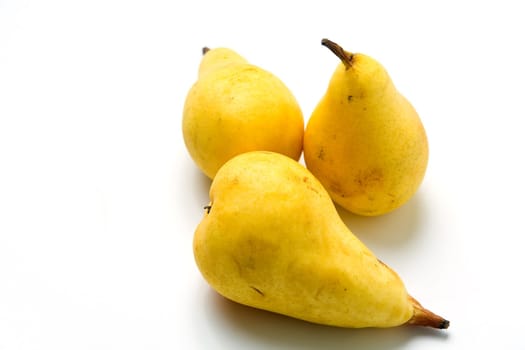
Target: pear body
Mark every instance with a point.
(236, 107)
(365, 141)
(272, 239)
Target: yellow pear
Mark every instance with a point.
(364, 141)
(272, 239)
(236, 107)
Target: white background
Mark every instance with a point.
(99, 198)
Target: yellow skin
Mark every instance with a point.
(364, 141)
(235, 107)
(272, 239)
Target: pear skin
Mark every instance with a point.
(272, 239)
(364, 140)
(236, 107)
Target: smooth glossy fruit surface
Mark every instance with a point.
(364, 141)
(236, 107)
(272, 239)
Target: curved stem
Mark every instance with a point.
(205, 49)
(344, 56)
(426, 318)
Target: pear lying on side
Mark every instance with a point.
(236, 107)
(272, 239)
(364, 141)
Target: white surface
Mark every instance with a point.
(99, 199)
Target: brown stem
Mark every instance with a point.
(426, 318)
(344, 56)
(205, 49)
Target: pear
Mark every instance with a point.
(272, 239)
(236, 107)
(364, 140)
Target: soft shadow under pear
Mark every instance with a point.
(271, 330)
(393, 229)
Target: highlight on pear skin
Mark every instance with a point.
(270, 236)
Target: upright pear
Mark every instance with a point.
(364, 141)
(236, 107)
(272, 239)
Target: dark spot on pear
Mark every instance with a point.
(257, 290)
(320, 155)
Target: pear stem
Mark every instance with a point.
(426, 318)
(205, 49)
(344, 56)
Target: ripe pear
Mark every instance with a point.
(272, 239)
(236, 107)
(364, 140)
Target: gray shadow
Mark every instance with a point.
(196, 183)
(201, 185)
(270, 330)
(390, 230)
